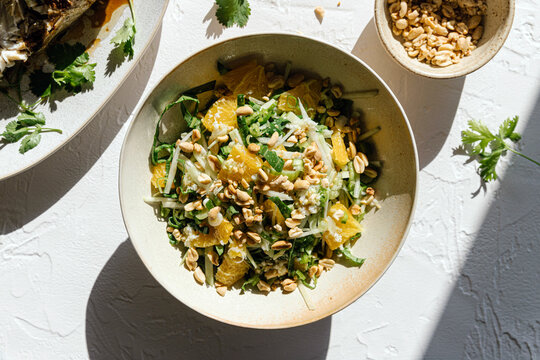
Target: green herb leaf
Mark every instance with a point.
(273, 159)
(479, 134)
(30, 141)
(488, 163)
(346, 252)
(283, 208)
(219, 249)
(231, 12)
(31, 118)
(13, 132)
(76, 74)
(252, 281)
(125, 37)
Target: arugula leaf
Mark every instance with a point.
(346, 252)
(231, 12)
(30, 141)
(252, 281)
(272, 157)
(490, 147)
(283, 208)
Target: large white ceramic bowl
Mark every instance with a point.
(385, 230)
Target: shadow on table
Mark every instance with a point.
(430, 104)
(493, 311)
(46, 183)
(130, 316)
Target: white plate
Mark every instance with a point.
(74, 112)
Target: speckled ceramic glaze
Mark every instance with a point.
(385, 229)
(497, 25)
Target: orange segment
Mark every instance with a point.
(344, 231)
(222, 111)
(339, 152)
(230, 271)
(241, 164)
(272, 209)
(254, 83)
(159, 176)
(235, 76)
(309, 92)
(218, 235)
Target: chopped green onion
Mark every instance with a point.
(273, 159)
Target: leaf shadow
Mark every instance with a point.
(214, 29)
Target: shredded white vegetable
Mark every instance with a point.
(304, 292)
(172, 170)
(280, 195)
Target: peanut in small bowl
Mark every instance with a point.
(443, 39)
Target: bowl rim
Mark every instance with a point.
(202, 311)
(466, 71)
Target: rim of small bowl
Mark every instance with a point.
(433, 75)
(357, 296)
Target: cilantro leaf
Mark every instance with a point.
(76, 74)
(13, 133)
(231, 12)
(31, 118)
(490, 147)
(30, 141)
(478, 132)
(125, 37)
(506, 130)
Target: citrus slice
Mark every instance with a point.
(159, 176)
(339, 152)
(235, 76)
(254, 83)
(309, 92)
(347, 227)
(222, 111)
(240, 164)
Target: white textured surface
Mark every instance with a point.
(465, 285)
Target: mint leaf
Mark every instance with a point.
(231, 12)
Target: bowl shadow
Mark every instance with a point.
(430, 104)
(130, 316)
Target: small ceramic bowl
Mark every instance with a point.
(385, 229)
(497, 25)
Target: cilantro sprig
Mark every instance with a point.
(489, 147)
(233, 12)
(125, 36)
(72, 71)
